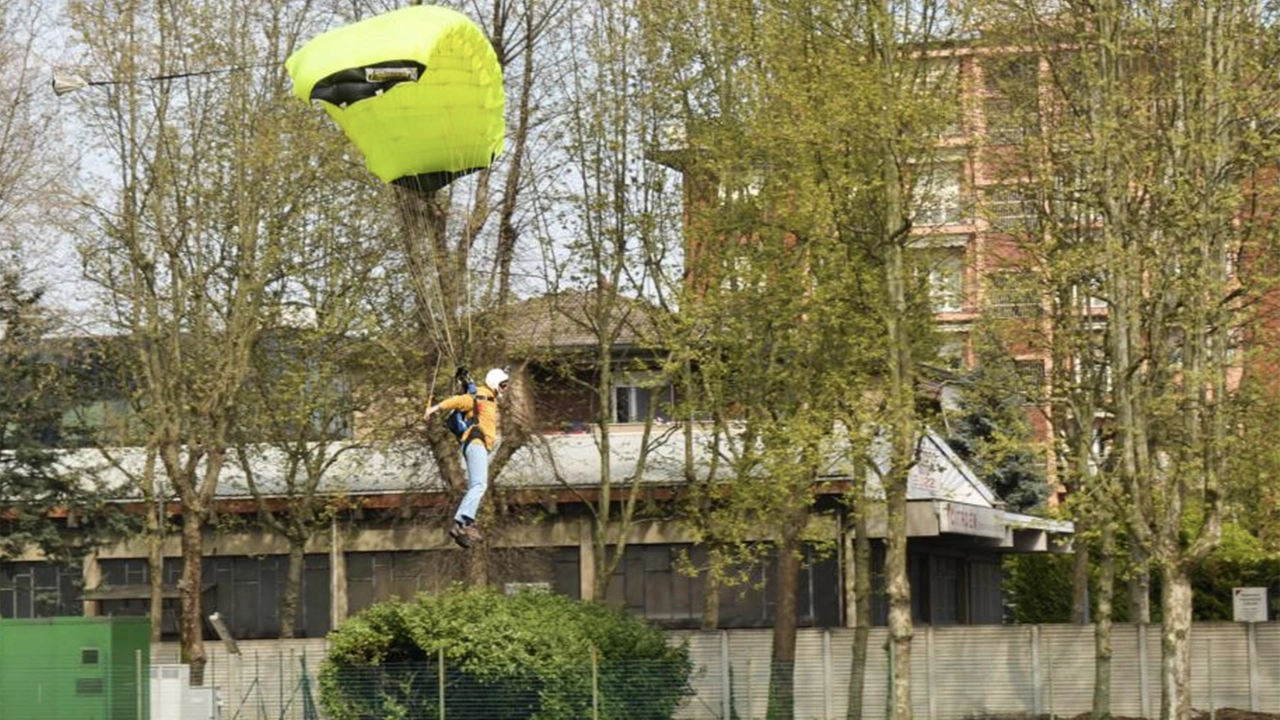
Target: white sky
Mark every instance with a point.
(51, 255)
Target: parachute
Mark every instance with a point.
(418, 90)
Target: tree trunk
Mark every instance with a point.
(903, 435)
(1102, 631)
(902, 432)
(477, 560)
(900, 623)
(862, 608)
(711, 602)
(603, 511)
(292, 589)
(192, 622)
(782, 677)
(1080, 577)
(1175, 643)
(600, 584)
(901, 426)
(155, 571)
(1140, 587)
(155, 543)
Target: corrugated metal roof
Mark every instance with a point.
(560, 460)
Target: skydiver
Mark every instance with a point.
(477, 439)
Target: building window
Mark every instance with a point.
(89, 656)
(630, 404)
(636, 394)
(1030, 379)
(40, 589)
(1090, 368)
(942, 79)
(936, 195)
(1090, 294)
(245, 590)
(945, 267)
(1010, 209)
(739, 187)
(653, 581)
(1010, 104)
(951, 354)
(1012, 295)
(947, 589)
(737, 275)
(125, 591)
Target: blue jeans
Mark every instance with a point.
(477, 459)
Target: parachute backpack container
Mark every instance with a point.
(418, 90)
(458, 421)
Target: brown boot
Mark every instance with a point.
(473, 534)
(459, 535)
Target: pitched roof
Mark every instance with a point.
(568, 320)
(959, 502)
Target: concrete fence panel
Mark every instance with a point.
(958, 672)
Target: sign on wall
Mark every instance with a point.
(1249, 604)
(969, 520)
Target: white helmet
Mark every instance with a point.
(495, 378)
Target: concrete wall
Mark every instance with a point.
(957, 672)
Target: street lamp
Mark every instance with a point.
(64, 83)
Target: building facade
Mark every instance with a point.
(391, 542)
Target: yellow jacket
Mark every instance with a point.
(486, 415)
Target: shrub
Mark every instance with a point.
(528, 655)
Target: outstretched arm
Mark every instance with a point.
(456, 402)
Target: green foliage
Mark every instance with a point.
(527, 655)
(1241, 560)
(34, 487)
(1037, 587)
(991, 433)
(1252, 490)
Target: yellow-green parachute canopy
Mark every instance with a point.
(418, 90)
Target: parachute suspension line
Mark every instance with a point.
(421, 242)
(435, 377)
(440, 271)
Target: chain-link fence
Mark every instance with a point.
(962, 672)
(434, 690)
(957, 672)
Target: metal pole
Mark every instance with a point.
(826, 674)
(440, 673)
(1036, 674)
(1208, 656)
(1144, 690)
(595, 685)
(1048, 659)
(929, 672)
(726, 677)
(137, 668)
(1251, 637)
(889, 699)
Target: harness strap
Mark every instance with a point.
(473, 430)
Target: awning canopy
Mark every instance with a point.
(134, 592)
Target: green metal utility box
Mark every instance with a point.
(75, 668)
